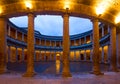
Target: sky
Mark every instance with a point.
(53, 25)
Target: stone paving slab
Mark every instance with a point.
(16, 78)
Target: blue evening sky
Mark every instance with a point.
(53, 25)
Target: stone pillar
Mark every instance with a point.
(102, 55)
(66, 46)
(118, 48)
(50, 56)
(75, 42)
(85, 40)
(30, 47)
(45, 56)
(102, 31)
(50, 43)
(8, 53)
(22, 37)
(80, 55)
(45, 42)
(79, 41)
(3, 43)
(91, 55)
(113, 55)
(39, 41)
(40, 58)
(107, 56)
(55, 43)
(91, 38)
(108, 28)
(16, 55)
(85, 55)
(16, 35)
(22, 54)
(9, 30)
(96, 56)
(55, 55)
(74, 55)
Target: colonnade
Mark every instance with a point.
(16, 54)
(66, 46)
(77, 41)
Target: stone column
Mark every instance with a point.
(91, 55)
(85, 40)
(8, 53)
(45, 42)
(91, 38)
(22, 37)
(45, 55)
(96, 56)
(74, 42)
(55, 43)
(40, 58)
(55, 55)
(113, 55)
(85, 58)
(50, 43)
(22, 54)
(74, 55)
(108, 28)
(39, 41)
(9, 30)
(3, 43)
(30, 47)
(79, 55)
(50, 56)
(16, 35)
(79, 41)
(118, 48)
(102, 31)
(66, 46)
(16, 55)
(102, 55)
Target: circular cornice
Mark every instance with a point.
(78, 8)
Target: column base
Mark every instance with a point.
(29, 74)
(2, 71)
(66, 74)
(96, 73)
(114, 70)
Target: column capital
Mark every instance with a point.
(31, 14)
(94, 20)
(66, 13)
(112, 26)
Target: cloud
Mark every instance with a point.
(53, 25)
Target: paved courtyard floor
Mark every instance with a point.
(50, 73)
(16, 78)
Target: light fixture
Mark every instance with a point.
(0, 10)
(102, 6)
(99, 11)
(67, 5)
(117, 19)
(28, 5)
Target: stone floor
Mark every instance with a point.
(46, 74)
(77, 78)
